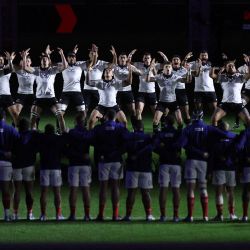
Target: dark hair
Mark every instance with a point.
(103, 78)
(111, 114)
(203, 51)
(23, 124)
(71, 53)
(138, 125)
(197, 115)
(167, 63)
(169, 120)
(176, 56)
(79, 119)
(147, 54)
(123, 54)
(2, 114)
(49, 129)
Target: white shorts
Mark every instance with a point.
(221, 177)
(136, 179)
(110, 170)
(51, 178)
(24, 174)
(245, 177)
(195, 169)
(170, 173)
(79, 176)
(6, 171)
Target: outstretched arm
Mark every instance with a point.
(113, 52)
(130, 55)
(64, 64)
(184, 62)
(24, 54)
(247, 61)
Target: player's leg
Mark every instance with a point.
(18, 107)
(121, 117)
(178, 118)
(43, 202)
(231, 202)
(102, 199)
(73, 179)
(244, 116)
(139, 110)
(16, 198)
(219, 202)
(5, 187)
(217, 115)
(146, 200)
(212, 106)
(94, 117)
(56, 109)
(14, 115)
(245, 200)
(28, 186)
(115, 197)
(156, 120)
(130, 201)
(35, 116)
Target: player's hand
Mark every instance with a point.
(224, 56)
(246, 58)
(94, 48)
(60, 51)
(163, 55)
(75, 49)
(113, 52)
(188, 55)
(48, 51)
(152, 64)
(205, 155)
(25, 53)
(131, 54)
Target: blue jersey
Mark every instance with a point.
(109, 141)
(223, 153)
(8, 138)
(78, 146)
(197, 139)
(166, 147)
(139, 149)
(243, 147)
(25, 150)
(51, 148)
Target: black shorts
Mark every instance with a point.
(25, 99)
(181, 97)
(125, 97)
(246, 92)
(205, 97)
(45, 102)
(91, 98)
(76, 98)
(230, 107)
(103, 110)
(149, 98)
(162, 106)
(6, 101)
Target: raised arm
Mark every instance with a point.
(130, 55)
(187, 56)
(151, 71)
(24, 54)
(113, 52)
(10, 57)
(64, 64)
(247, 61)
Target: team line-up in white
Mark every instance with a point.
(106, 83)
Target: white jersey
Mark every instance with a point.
(72, 76)
(231, 87)
(108, 91)
(25, 82)
(45, 81)
(244, 70)
(144, 86)
(5, 84)
(167, 87)
(203, 83)
(180, 72)
(95, 74)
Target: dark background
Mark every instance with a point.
(174, 26)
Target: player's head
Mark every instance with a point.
(2, 114)
(28, 61)
(203, 55)
(176, 61)
(45, 61)
(110, 115)
(93, 52)
(167, 68)
(230, 67)
(197, 115)
(80, 120)
(1, 60)
(71, 57)
(138, 126)
(108, 73)
(147, 58)
(49, 129)
(122, 59)
(169, 120)
(23, 125)
(223, 126)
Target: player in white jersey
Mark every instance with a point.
(167, 82)
(204, 91)
(71, 84)
(180, 91)
(146, 93)
(125, 94)
(25, 92)
(108, 88)
(45, 93)
(6, 100)
(90, 93)
(231, 83)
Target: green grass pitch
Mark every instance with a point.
(137, 231)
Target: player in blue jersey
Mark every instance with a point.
(24, 167)
(170, 166)
(50, 148)
(79, 171)
(224, 167)
(139, 170)
(8, 138)
(108, 140)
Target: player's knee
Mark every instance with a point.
(34, 114)
(58, 113)
(219, 199)
(203, 192)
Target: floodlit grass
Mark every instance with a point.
(138, 230)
